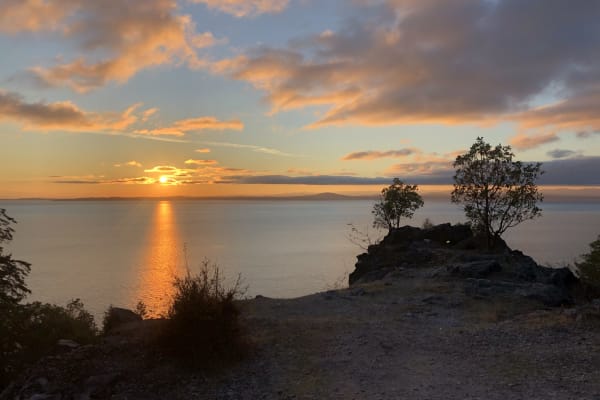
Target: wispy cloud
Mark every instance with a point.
(245, 8)
(201, 162)
(524, 141)
(131, 163)
(251, 147)
(202, 150)
(373, 155)
(180, 128)
(561, 153)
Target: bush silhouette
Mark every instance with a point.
(202, 328)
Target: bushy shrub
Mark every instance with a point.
(203, 328)
(589, 267)
(31, 331)
(427, 224)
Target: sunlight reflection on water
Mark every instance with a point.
(161, 261)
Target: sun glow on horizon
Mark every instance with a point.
(163, 179)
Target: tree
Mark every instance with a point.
(589, 267)
(498, 193)
(12, 272)
(396, 201)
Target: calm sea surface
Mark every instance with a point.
(119, 252)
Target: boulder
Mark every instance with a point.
(116, 317)
(474, 269)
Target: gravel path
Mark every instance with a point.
(408, 338)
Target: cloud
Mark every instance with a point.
(523, 141)
(256, 149)
(201, 162)
(586, 134)
(373, 155)
(438, 61)
(203, 150)
(117, 39)
(132, 163)
(33, 15)
(572, 171)
(245, 8)
(66, 116)
(63, 116)
(179, 128)
(561, 153)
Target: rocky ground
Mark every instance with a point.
(456, 325)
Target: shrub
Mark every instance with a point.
(30, 331)
(427, 224)
(589, 267)
(203, 327)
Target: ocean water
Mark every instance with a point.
(120, 252)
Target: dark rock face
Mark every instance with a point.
(409, 246)
(475, 269)
(118, 317)
(454, 250)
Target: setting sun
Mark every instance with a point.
(163, 179)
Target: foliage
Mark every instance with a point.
(589, 267)
(202, 327)
(498, 193)
(31, 331)
(428, 224)
(396, 201)
(141, 309)
(12, 272)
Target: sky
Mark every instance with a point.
(269, 97)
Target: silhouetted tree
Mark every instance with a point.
(589, 266)
(396, 201)
(497, 192)
(12, 272)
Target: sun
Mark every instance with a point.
(163, 179)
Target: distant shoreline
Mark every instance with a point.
(549, 198)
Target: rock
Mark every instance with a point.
(68, 344)
(99, 386)
(549, 295)
(119, 316)
(475, 269)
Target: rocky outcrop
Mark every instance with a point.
(456, 254)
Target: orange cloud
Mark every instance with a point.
(64, 116)
(120, 39)
(523, 141)
(33, 15)
(179, 128)
(245, 8)
(132, 163)
(204, 150)
(201, 162)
